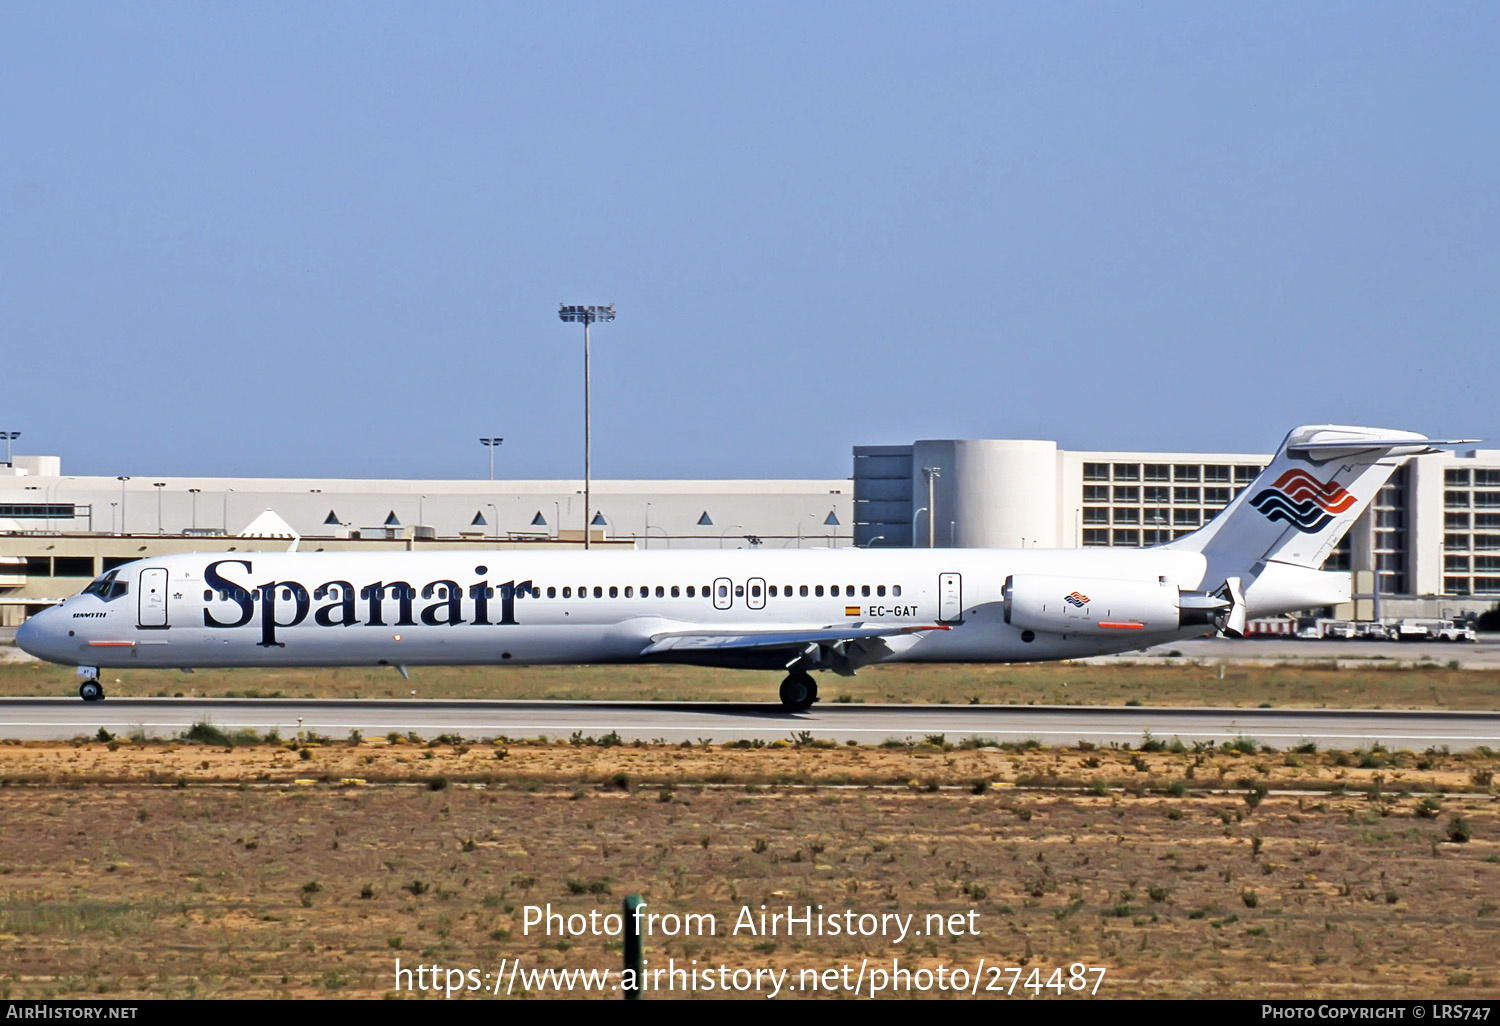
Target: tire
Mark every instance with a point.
(798, 692)
(91, 691)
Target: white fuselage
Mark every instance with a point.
(512, 607)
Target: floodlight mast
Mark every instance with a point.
(586, 315)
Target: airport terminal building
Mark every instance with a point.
(1434, 531)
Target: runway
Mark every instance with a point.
(62, 718)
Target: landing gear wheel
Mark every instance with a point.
(91, 691)
(798, 692)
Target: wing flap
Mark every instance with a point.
(699, 641)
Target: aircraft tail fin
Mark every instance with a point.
(1280, 529)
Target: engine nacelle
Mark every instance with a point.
(1095, 606)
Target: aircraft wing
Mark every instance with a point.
(770, 640)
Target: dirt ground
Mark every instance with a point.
(303, 870)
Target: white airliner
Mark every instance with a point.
(790, 611)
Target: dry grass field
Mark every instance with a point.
(307, 870)
(1153, 682)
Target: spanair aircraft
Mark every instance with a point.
(791, 611)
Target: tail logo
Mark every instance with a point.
(1302, 501)
(1076, 599)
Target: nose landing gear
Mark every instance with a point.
(799, 691)
(90, 690)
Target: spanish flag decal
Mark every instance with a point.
(851, 610)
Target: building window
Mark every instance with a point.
(1127, 537)
(1158, 472)
(1096, 471)
(1185, 495)
(1458, 499)
(1456, 477)
(1127, 516)
(1457, 564)
(1095, 537)
(1129, 493)
(1185, 518)
(1487, 500)
(1095, 493)
(1455, 541)
(1456, 521)
(1185, 472)
(1483, 520)
(1487, 478)
(1487, 564)
(1455, 585)
(1095, 515)
(1487, 541)
(1244, 475)
(1216, 496)
(1127, 471)
(1217, 473)
(1159, 495)
(1487, 585)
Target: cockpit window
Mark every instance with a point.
(107, 588)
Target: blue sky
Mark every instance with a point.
(330, 239)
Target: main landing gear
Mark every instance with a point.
(799, 691)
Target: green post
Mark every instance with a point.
(634, 960)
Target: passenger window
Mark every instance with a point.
(598, 591)
(614, 592)
(674, 591)
(773, 591)
(834, 591)
(864, 590)
(802, 591)
(896, 590)
(739, 591)
(818, 591)
(689, 591)
(567, 593)
(629, 592)
(723, 591)
(660, 591)
(880, 590)
(645, 591)
(536, 592)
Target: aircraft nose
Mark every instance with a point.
(44, 636)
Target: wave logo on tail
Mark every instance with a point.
(1076, 599)
(1302, 501)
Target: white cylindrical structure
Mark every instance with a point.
(994, 494)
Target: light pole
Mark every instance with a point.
(646, 534)
(586, 315)
(491, 444)
(194, 492)
(122, 478)
(872, 541)
(726, 530)
(158, 485)
(494, 521)
(9, 436)
(914, 524)
(225, 510)
(112, 507)
(933, 473)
